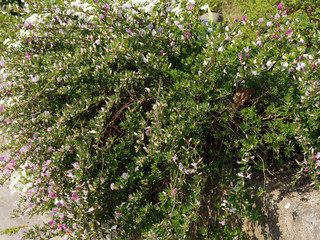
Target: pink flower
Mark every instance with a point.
(74, 196)
(289, 32)
(240, 174)
(284, 13)
(52, 195)
(244, 18)
(190, 7)
(76, 165)
(1, 108)
(28, 56)
(52, 223)
(187, 34)
(233, 210)
(91, 209)
(174, 191)
(222, 223)
(148, 131)
(280, 6)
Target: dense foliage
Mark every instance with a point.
(125, 123)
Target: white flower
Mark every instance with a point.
(220, 49)
(270, 63)
(76, 3)
(269, 24)
(2, 63)
(124, 176)
(204, 7)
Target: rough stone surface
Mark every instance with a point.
(287, 213)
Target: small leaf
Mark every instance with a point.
(261, 191)
(210, 15)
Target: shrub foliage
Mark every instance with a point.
(126, 123)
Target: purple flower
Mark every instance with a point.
(240, 56)
(187, 34)
(1, 108)
(289, 32)
(148, 131)
(280, 6)
(142, 32)
(27, 24)
(52, 195)
(124, 176)
(190, 7)
(101, 16)
(2, 63)
(244, 18)
(107, 6)
(181, 167)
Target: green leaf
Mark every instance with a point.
(261, 191)
(210, 15)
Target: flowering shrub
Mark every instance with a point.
(125, 123)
